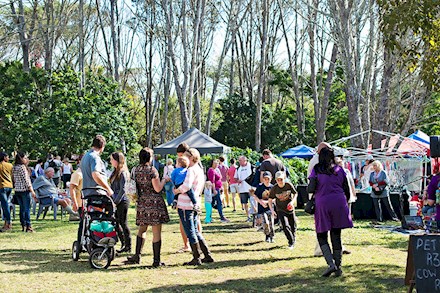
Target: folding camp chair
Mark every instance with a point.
(44, 203)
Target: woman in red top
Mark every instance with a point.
(216, 178)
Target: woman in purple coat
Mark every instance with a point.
(329, 184)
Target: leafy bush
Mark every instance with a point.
(42, 113)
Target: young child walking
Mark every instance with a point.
(208, 202)
(261, 196)
(284, 194)
(177, 177)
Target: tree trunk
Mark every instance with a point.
(383, 104)
(341, 11)
(19, 20)
(321, 123)
(262, 79)
(231, 31)
(81, 46)
(294, 71)
(115, 42)
(180, 89)
(104, 36)
(166, 93)
(312, 14)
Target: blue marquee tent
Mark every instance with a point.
(420, 136)
(301, 151)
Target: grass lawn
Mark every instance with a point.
(41, 262)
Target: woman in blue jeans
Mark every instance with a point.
(23, 190)
(195, 180)
(5, 189)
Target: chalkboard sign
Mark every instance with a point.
(426, 257)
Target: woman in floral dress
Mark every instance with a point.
(151, 208)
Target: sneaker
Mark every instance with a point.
(291, 246)
(174, 205)
(29, 230)
(234, 210)
(267, 239)
(224, 220)
(271, 240)
(249, 219)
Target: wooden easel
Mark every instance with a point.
(410, 275)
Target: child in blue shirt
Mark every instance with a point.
(178, 177)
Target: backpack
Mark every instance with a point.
(54, 165)
(250, 179)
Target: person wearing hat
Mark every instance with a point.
(261, 196)
(284, 195)
(5, 189)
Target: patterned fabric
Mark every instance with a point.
(22, 180)
(151, 207)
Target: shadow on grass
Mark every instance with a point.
(237, 250)
(375, 278)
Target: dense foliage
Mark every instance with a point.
(420, 20)
(43, 115)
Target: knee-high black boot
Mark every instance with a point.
(208, 258)
(156, 254)
(195, 248)
(337, 255)
(136, 258)
(329, 259)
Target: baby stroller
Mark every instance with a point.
(98, 236)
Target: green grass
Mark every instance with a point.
(40, 262)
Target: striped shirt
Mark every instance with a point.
(22, 180)
(195, 180)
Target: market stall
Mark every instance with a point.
(404, 160)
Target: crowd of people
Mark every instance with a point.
(266, 196)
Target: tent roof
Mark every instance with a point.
(301, 151)
(392, 145)
(195, 139)
(421, 137)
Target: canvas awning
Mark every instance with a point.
(195, 139)
(301, 151)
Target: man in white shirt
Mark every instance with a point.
(243, 172)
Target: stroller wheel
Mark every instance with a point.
(75, 251)
(99, 259)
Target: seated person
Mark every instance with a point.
(427, 209)
(46, 187)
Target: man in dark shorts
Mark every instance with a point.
(270, 164)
